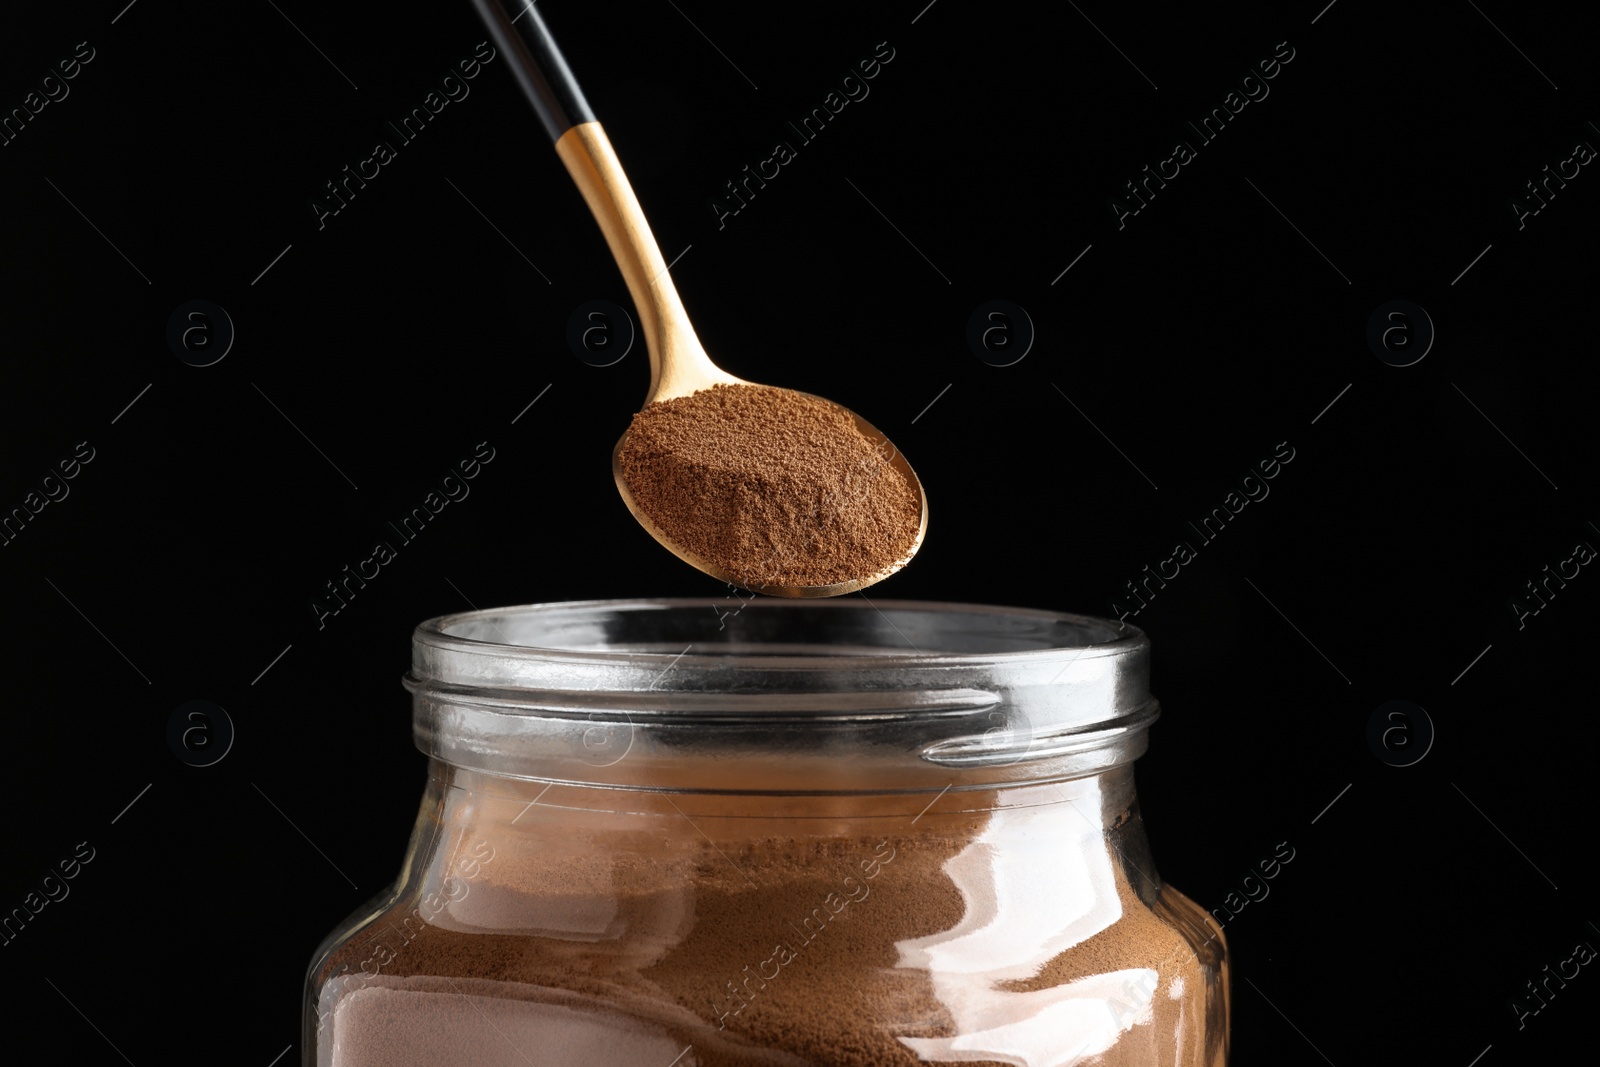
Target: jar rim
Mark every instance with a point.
(444, 631)
(615, 693)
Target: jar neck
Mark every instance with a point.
(783, 696)
(484, 798)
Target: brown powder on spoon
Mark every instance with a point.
(770, 486)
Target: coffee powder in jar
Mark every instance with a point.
(867, 950)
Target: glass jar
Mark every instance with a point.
(687, 833)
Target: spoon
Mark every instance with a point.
(679, 365)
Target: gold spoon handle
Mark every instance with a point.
(678, 364)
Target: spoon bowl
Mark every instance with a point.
(895, 459)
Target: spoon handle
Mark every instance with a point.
(677, 362)
(540, 68)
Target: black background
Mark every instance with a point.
(1222, 319)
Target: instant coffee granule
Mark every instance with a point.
(667, 956)
(769, 486)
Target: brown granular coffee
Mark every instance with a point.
(769, 486)
(804, 952)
